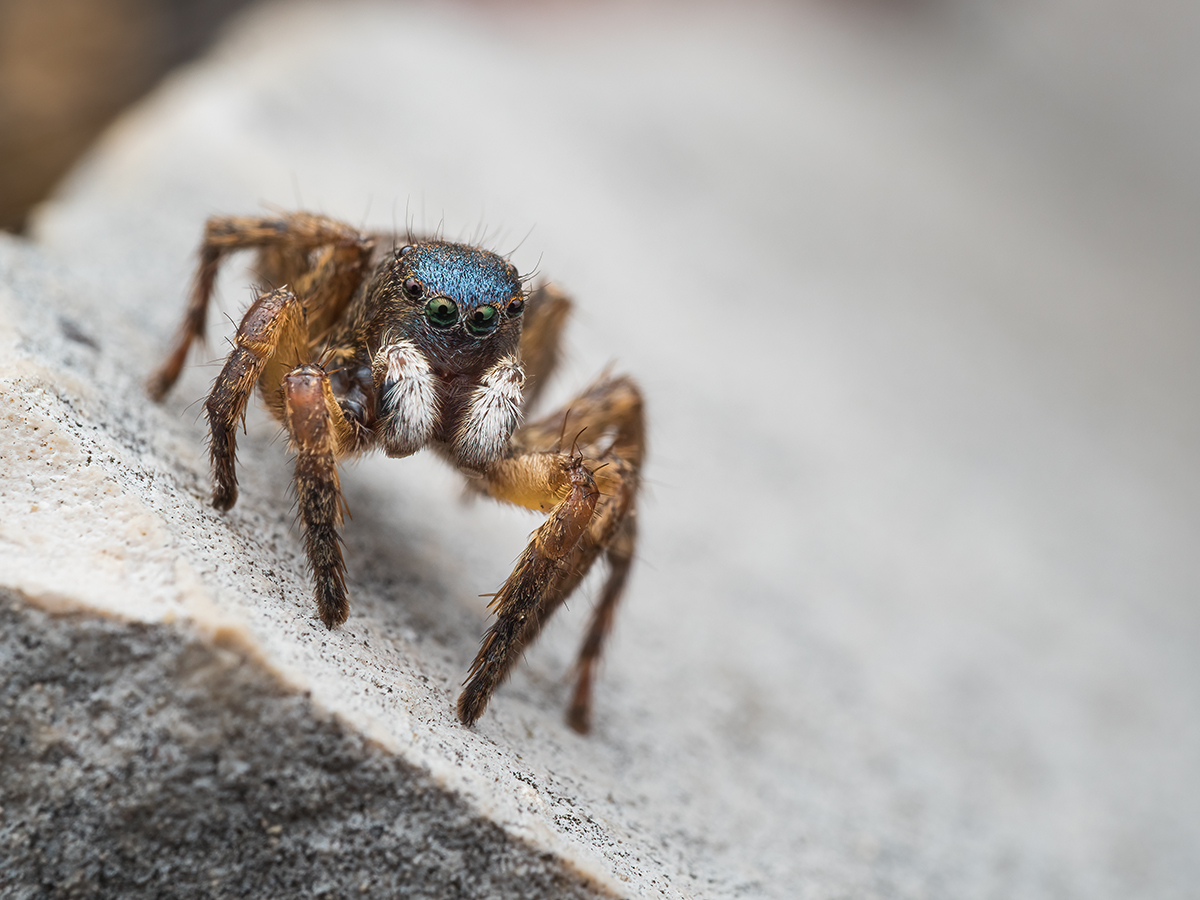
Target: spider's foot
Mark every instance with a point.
(224, 496)
(332, 604)
(329, 580)
(579, 715)
(471, 705)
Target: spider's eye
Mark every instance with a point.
(483, 320)
(442, 312)
(515, 308)
(406, 249)
(412, 287)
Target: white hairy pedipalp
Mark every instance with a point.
(408, 404)
(492, 413)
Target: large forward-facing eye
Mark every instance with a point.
(483, 319)
(442, 312)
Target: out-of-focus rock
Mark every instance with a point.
(67, 67)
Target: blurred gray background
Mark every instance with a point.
(911, 289)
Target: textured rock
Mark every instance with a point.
(139, 760)
(914, 614)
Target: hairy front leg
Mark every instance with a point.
(318, 430)
(609, 418)
(272, 329)
(544, 569)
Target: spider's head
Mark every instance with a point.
(460, 304)
(446, 349)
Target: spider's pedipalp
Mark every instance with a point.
(408, 407)
(491, 416)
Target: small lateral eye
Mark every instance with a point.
(406, 249)
(483, 319)
(515, 307)
(412, 287)
(442, 312)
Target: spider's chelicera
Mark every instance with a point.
(361, 344)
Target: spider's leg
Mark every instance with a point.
(318, 430)
(546, 312)
(285, 244)
(591, 499)
(608, 413)
(541, 573)
(270, 342)
(193, 325)
(272, 330)
(619, 555)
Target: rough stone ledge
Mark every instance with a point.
(140, 759)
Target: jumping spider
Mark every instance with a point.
(370, 342)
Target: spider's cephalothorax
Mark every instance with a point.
(434, 344)
(443, 342)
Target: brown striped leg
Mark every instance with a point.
(620, 558)
(285, 243)
(546, 312)
(591, 500)
(539, 571)
(192, 327)
(317, 427)
(612, 406)
(272, 328)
